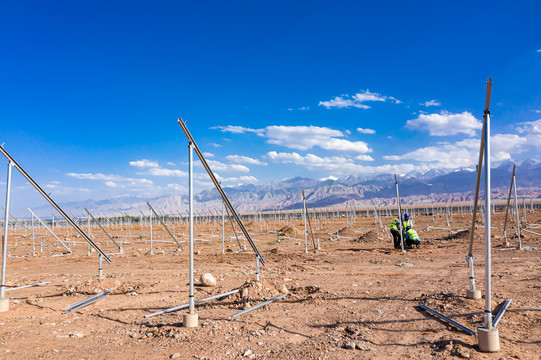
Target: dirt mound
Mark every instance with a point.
(290, 231)
(346, 232)
(458, 235)
(368, 237)
(253, 292)
(95, 286)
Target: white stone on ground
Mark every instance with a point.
(207, 280)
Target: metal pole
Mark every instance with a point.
(223, 229)
(488, 269)
(305, 231)
(51, 201)
(399, 214)
(190, 186)
(101, 227)
(507, 207)
(516, 212)
(5, 239)
(257, 306)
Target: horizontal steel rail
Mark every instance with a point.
(183, 306)
(452, 322)
(161, 221)
(85, 304)
(89, 299)
(257, 306)
(27, 286)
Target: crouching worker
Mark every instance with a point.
(412, 239)
(395, 231)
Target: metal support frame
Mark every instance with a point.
(309, 223)
(219, 188)
(163, 224)
(101, 227)
(257, 306)
(443, 317)
(51, 201)
(49, 229)
(190, 206)
(88, 301)
(498, 317)
(488, 254)
(27, 286)
(184, 306)
(17, 220)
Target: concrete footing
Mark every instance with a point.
(473, 294)
(4, 304)
(190, 320)
(489, 339)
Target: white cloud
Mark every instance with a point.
(235, 129)
(307, 137)
(144, 163)
(304, 108)
(219, 166)
(539, 51)
(357, 100)
(336, 164)
(244, 159)
(215, 145)
(465, 152)
(208, 154)
(113, 184)
(165, 172)
(431, 103)
(366, 131)
(333, 178)
(104, 177)
(364, 158)
(445, 124)
(235, 181)
(171, 163)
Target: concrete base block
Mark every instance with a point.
(473, 294)
(190, 320)
(4, 304)
(489, 339)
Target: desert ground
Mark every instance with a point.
(355, 289)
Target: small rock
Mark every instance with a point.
(404, 264)
(77, 335)
(463, 354)
(207, 280)
(175, 356)
(362, 347)
(282, 289)
(350, 345)
(379, 312)
(132, 293)
(252, 356)
(247, 353)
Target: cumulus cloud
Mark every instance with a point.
(244, 159)
(307, 137)
(366, 131)
(215, 145)
(465, 152)
(336, 164)
(144, 163)
(208, 154)
(219, 166)
(445, 124)
(235, 181)
(104, 177)
(165, 172)
(431, 103)
(176, 187)
(235, 129)
(113, 184)
(333, 178)
(364, 158)
(358, 100)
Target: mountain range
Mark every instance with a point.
(438, 185)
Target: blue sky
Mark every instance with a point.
(90, 91)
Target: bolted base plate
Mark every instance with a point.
(489, 339)
(473, 294)
(190, 320)
(4, 304)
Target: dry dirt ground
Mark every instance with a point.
(354, 289)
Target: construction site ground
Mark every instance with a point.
(355, 291)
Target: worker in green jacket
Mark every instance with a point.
(412, 238)
(395, 231)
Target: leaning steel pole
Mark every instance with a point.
(51, 201)
(401, 225)
(220, 190)
(516, 212)
(507, 208)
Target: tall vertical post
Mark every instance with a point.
(191, 318)
(516, 212)
(223, 228)
(506, 243)
(4, 302)
(488, 336)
